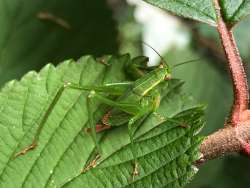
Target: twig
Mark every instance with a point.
(55, 19)
(238, 76)
(235, 136)
(224, 141)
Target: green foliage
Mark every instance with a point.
(130, 32)
(209, 83)
(240, 34)
(235, 10)
(166, 150)
(30, 35)
(203, 10)
(195, 75)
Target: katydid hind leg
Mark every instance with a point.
(34, 143)
(118, 88)
(125, 107)
(114, 89)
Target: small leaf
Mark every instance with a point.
(235, 10)
(203, 10)
(35, 32)
(240, 34)
(166, 151)
(208, 71)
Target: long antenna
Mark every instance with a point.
(186, 62)
(162, 59)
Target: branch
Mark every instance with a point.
(238, 76)
(235, 136)
(225, 141)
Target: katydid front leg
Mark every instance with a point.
(114, 89)
(90, 109)
(131, 124)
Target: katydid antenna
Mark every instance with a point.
(163, 60)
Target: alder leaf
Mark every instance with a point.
(203, 10)
(166, 150)
(35, 32)
(235, 10)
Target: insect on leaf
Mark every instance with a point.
(64, 155)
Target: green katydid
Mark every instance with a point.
(136, 100)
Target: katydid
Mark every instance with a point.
(135, 101)
(139, 99)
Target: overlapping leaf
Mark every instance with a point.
(35, 32)
(240, 33)
(165, 150)
(203, 10)
(219, 172)
(235, 10)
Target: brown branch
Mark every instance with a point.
(235, 137)
(236, 68)
(225, 141)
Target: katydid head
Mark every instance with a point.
(163, 63)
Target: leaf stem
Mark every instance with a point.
(225, 141)
(237, 72)
(235, 137)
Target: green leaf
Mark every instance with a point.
(206, 80)
(130, 31)
(240, 34)
(166, 150)
(30, 35)
(203, 10)
(235, 10)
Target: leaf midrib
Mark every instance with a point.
(159, 148)
(237, 11)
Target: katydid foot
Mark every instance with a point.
(92, 164)
(106, 117)
(135, 170)
(98, 128)
(26, 149)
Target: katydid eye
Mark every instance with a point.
(168, 77)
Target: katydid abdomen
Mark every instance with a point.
(142, 94)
